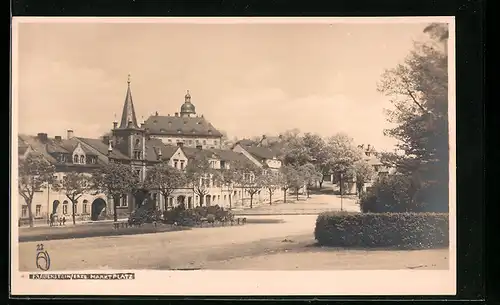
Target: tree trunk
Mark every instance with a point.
(251, 199)
(115, 215)
(230, 204)
(30, 213)
(73, 212)
(270, 198)
(201, 199)
(321, 182)
(284, 196)
(297, 193)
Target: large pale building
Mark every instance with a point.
(172, 139)
(184, 126)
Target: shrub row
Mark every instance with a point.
(370, 230)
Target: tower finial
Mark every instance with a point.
(128, 79)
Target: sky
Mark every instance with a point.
(246, 79)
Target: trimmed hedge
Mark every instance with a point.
(370, 230)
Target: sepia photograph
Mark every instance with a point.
(233, 156)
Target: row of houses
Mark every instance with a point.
(173, 139)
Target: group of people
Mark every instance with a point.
(54, 219)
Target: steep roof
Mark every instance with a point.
(176, 125)
(128, 113)
(260, 152)
(154, 145)
(102, 148)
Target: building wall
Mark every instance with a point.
(205, 142)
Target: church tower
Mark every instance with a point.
(188, 109)
(129, 138)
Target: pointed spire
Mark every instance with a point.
(128, 114)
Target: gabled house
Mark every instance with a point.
(263, 157)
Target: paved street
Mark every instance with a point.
(251, 246)
(167, 250)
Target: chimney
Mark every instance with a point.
(368, 147)
(110, 148)
(70, 133)
(176, 114)
(58, 138)
(105, 139)
(180, 144)
(42, 137)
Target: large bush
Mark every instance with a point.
(398, 194)
(391, 194)
(191, 217)
(405, 230)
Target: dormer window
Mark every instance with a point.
(82, 159)
(163, 130)
(75, 159)
(178, 131)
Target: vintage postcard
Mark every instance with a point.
(233, 156)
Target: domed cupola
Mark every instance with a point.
(187, 109)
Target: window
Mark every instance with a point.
(204, 142)
(82, 159)
(215, 142)
(222, 164)
(75, 159)
(24, 211)
(137, 142)
(197, 141)
(65, 207)
(84, 207)
(170, 201)
(175, 163)
(225, 197)
(190, 142)
(124, 202)
(182, 164)
(169, 140)
(218, 198)
(38, 210)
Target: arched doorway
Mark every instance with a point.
(97, 206)
(181, 200)
(55, 205)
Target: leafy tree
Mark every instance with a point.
(271, 181)
(164, 178)
(115, 180)
(35, 173)
(249, 177)
(319, 154)
(418, 88)
(364, 173)
(74, 185)
(228, 177)
(296, 152)
(288, 173)
(310, 175)
(343, 155)
(198, 174)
